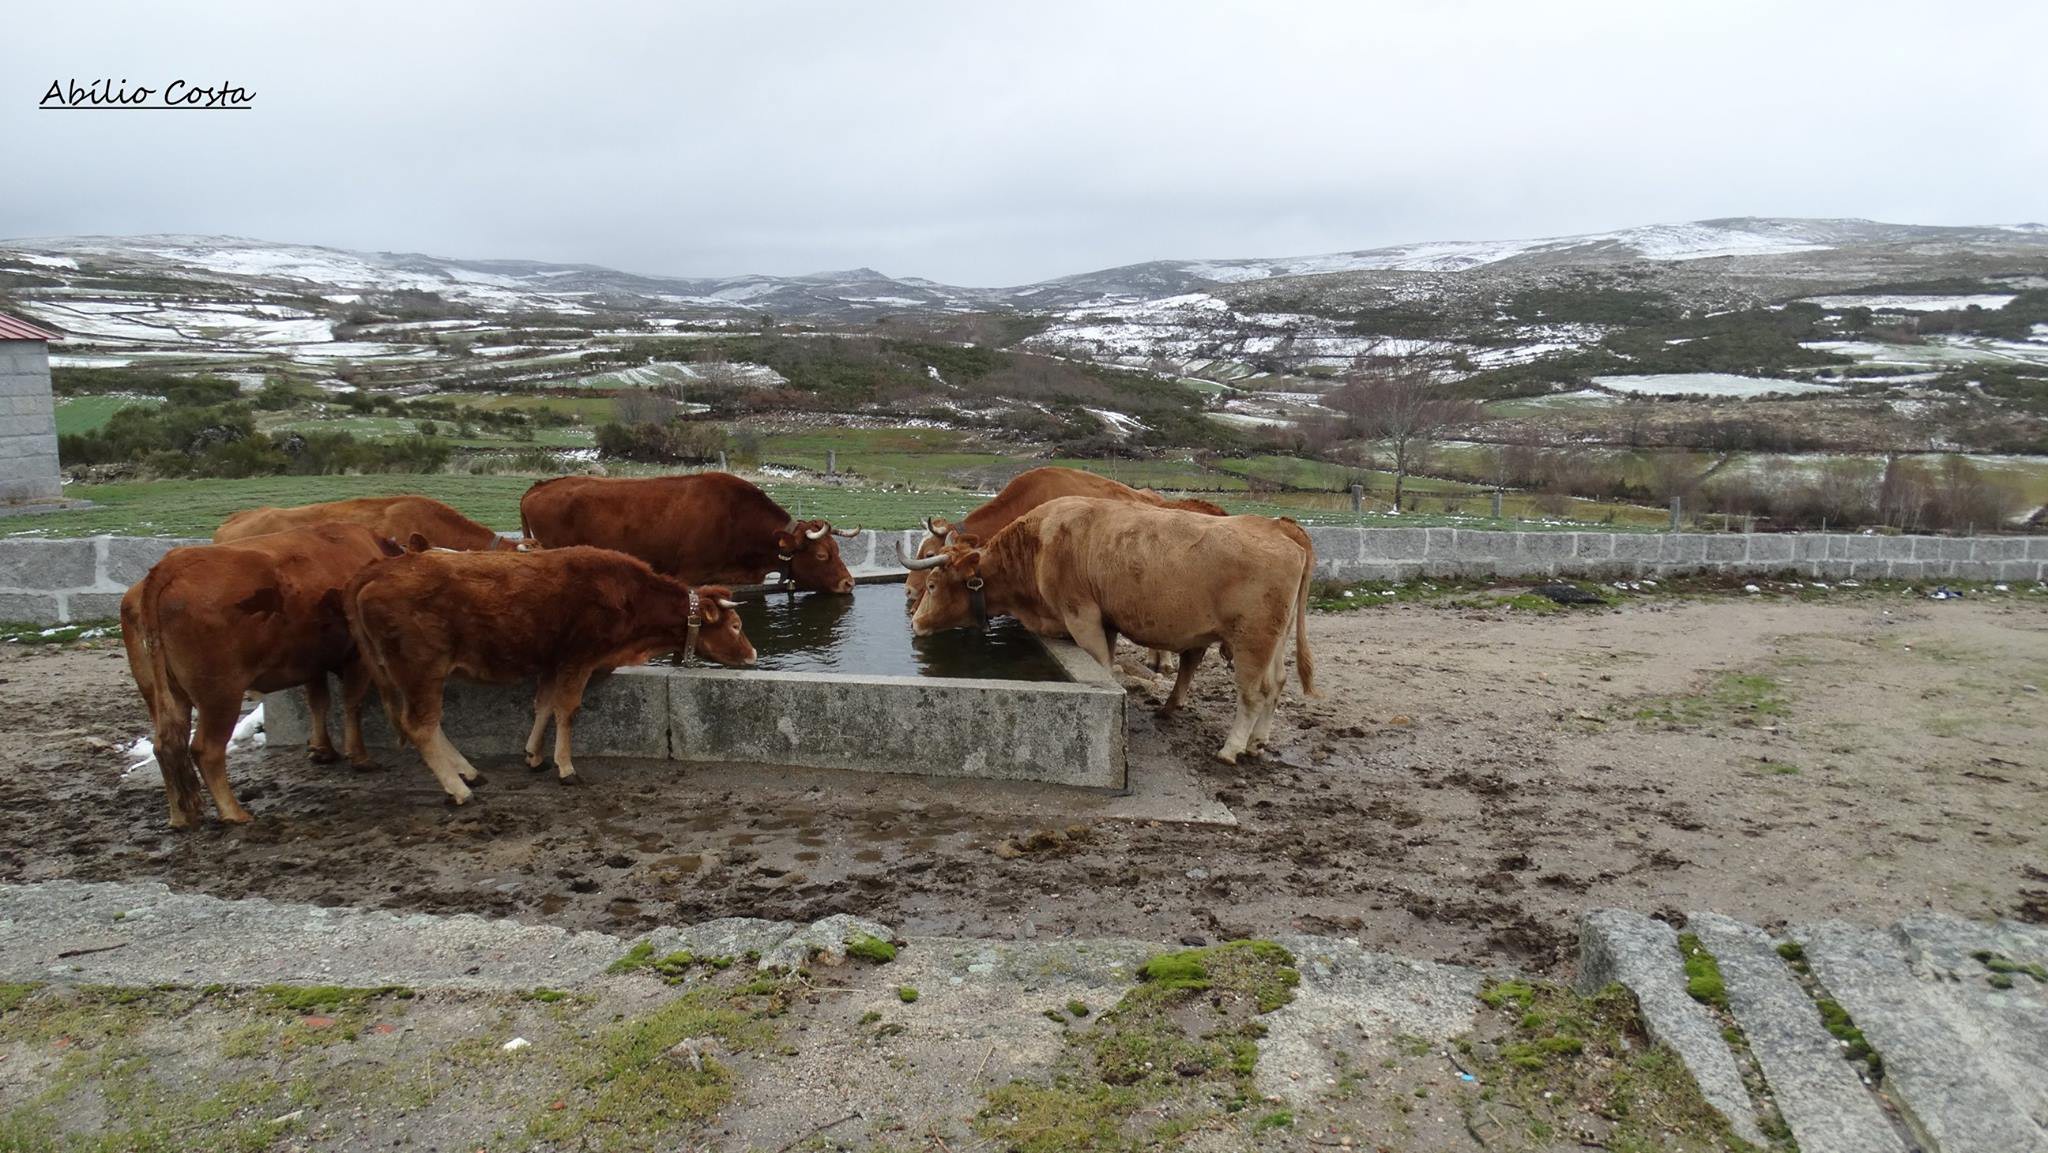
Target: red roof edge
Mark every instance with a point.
(12, 328)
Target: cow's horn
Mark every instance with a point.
(919, 564)
(846, 532)
(723, 603)
(816, 533)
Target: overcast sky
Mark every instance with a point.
(997, 144)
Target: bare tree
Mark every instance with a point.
(642, 406)
(1398, 397)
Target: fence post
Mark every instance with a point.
(1496, 504)
(831, 462)
(1675, 503)
(721, 461)
(1357, 499)
(1749, 523)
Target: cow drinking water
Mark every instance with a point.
(1026, 491)
(561, 615)
(1096, 569)
(710, 527)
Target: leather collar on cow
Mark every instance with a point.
(695, 622)
(977, 603)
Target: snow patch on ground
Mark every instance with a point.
(1118, 424)
(1707, 384)
(1902, 303)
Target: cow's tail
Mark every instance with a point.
(370, 651)
(171, 725)
(1304, 660)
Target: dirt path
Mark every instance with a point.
(1472, 780)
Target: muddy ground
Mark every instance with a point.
(1473, 778)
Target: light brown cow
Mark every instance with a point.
(1026, 491)
(399, 518)
(708, 527)
(211, 622)
(560, 615)
(1096, 569)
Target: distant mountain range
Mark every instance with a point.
(1822, 251)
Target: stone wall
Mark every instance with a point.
(28, 424)
(1398, 554)
(54, 581)
(49, 582)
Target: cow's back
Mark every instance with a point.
(501, 615)
(394, 517)
(1028, 490)
(689, 527)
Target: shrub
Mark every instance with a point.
(677, 442)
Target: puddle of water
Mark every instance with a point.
(869, 633)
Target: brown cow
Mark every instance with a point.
(708, 527)
(209, 623)
(1094, 569)
(399, 518)
(561, 615)
(1026, 491)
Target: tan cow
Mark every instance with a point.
(211, 622)
(1097, 569)
(561, 615)
(1026, 491)
(399, 518)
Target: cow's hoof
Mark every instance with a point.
(1227, 758)
(475, 780)
(535, 764)
(365, 765)
(240, 817)
(570, 779)
(456, 800)
(322, 756)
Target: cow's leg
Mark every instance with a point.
(355, 685)
(1273, 686)
(543, 712)
(171, 740)
(420, 721)
(568, 702)
(1086, 630)
(210, 748)
(447, 763)
(1251, 703)
(320, 746)
(1190, 660)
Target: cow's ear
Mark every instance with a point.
(969, 562)
(389, 547)
(417, 542)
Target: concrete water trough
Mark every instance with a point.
(1066, 728)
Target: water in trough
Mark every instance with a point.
(868, 634)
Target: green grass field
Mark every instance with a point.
(76, 414)
(194, 508)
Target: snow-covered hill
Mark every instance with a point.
(211, 264)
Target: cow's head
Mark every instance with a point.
(719, 637)
(513, 544)
(936, 530)
(952, 588)
(809, 556)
